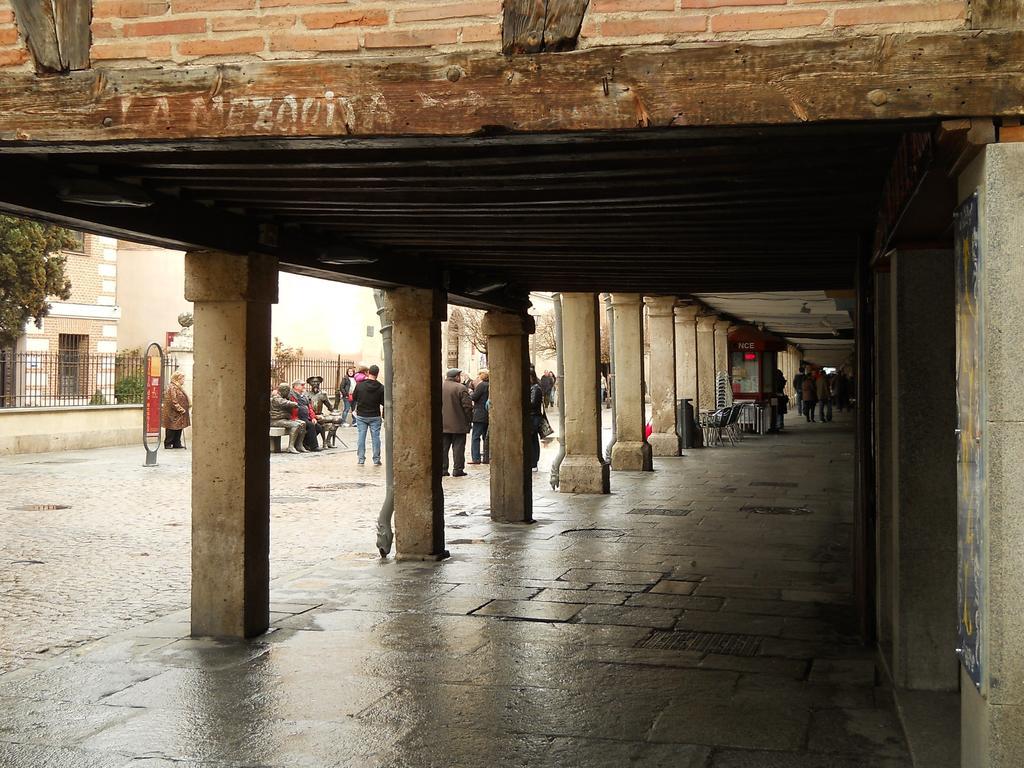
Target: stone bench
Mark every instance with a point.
(276, 433)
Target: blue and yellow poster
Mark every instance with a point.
(970, 393)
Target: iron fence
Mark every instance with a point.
(288, 371)
(71, 378)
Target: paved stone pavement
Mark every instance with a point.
(698, 616)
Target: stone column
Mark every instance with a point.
(706, 362)
(686, 353)
(509, 421)
(232, 295)
(661, 320)
(883, 427)
(416, 348)
(993, 720)
(631, 451)
(583, 469)
(722, 330)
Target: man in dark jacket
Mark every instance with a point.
(368, 407)
(547, 386)
(478, 440)
(456, 417)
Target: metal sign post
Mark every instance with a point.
(151, 404)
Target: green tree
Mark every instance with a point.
(31, 270)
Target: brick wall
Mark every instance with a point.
(130, 33)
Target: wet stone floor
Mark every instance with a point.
(699, 616)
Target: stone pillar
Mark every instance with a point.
(993, 719)
(661, 320)
(706, 362)
(686, 353)
(416, 348)
(924, 500)
(232, 295)
(510, 427)
(583, 469)
(883, 427)
(722, 330)
(631, 451)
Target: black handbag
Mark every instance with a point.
(544, 428)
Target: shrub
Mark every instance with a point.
(130, 389)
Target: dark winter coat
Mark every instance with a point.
(456, 408)
(479, 397)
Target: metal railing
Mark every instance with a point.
(332, 371)
(69, 378)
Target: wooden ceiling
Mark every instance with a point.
(656, 211)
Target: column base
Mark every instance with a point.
(632, 456)
(444, 555)
(664, 444)
(583, 474)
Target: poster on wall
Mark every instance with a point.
(970, 484)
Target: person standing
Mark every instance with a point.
(536, 414)
(547, 385)
(824, 391)
(478, 452)
(809, 395)
(781, 399)
(174, 413)
(456, 418)
(798, 384)
(344, 400)
(368, 407)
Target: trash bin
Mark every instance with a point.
(686, 425)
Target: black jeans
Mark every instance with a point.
(456, 443)
(809, 406)
(312, 430)
(172, 438)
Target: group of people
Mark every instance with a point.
(465, 410)
(309, 416)
(817, 392)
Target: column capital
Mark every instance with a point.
(660, 306)
(707, 322)
(222, 276)
(507, 324)
(625, 299)
(416, 304)
(687, 313)
(724, 325)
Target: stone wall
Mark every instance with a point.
(38, 430)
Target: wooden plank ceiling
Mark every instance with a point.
(656, 211)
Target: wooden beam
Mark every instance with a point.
(903, 76)
(531, 26)
(56, 32)
(72, 19)
(39, 29)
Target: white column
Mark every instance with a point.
(583, 470)
(993, 720)
(706, 361)
(509, 421)
(416, 394)
(631, 451)
(232, 295)
(661, 321)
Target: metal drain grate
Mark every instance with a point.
(291, 499)
(60, 461)
(39, 507)
(654, 511)
(340, 486)
(763, 510)
(706, 642)
(594, 533)
(774, 484)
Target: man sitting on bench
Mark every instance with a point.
(284, 413)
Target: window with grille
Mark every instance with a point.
(72, 365)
